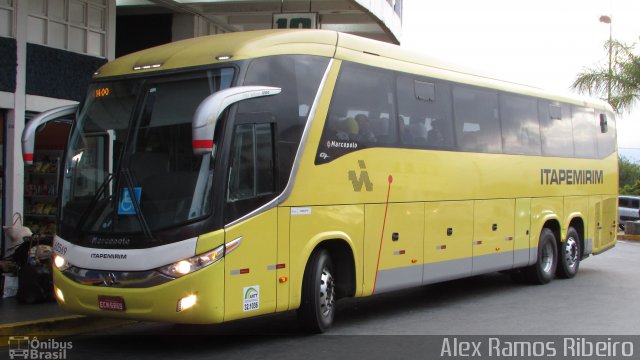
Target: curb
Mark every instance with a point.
(629, 237)
(59, 326)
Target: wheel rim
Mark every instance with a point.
(547, 257)
(327, 293)
(571, 252)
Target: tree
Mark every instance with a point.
(629, 181)
(624, 77)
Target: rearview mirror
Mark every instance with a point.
(29, 132)
(209, 110)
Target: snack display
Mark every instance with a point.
(40, 191)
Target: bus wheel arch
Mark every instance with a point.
(329, 275)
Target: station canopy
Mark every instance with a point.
(375, 19)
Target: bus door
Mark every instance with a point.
(493, 235)
(250, 270)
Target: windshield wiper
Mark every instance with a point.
(92, 203)
(136, 205)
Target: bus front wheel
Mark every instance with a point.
(317, 309)
(544, 269)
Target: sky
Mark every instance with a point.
(543, 43)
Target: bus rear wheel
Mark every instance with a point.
(544, 269)
(569, 253)
(317, 309)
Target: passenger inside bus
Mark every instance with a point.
(365, 133)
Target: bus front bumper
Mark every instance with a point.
(156, 303)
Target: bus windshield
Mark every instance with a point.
(129, 165)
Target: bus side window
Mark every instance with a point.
(476, 118)
(606, 137)
(520, 125)
(361, 114)
(424, 106)
(584, 132)
(556, 132)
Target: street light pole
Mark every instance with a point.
(607, 20)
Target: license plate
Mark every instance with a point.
(111, 303)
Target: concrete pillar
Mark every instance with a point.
(111, 30)
(14, 167)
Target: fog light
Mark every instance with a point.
(59, 295)
(186, 302)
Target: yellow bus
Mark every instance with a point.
(243, 174)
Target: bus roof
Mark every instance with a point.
(222, 48)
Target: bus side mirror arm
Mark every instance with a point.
(29, 132)
(210, 109)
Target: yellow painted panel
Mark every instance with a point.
(238, 45)
(402, 238)
(609, 220)
(523, 255)
(522, 231)
(250, 273)
(449, 230)
(542, 210)
(595, 221)
(426, 176)
(575, 207)
(493, 226)
(607, 225)
(209, 241)
(312, 225)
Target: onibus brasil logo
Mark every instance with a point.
(25, 347)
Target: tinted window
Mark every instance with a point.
(361, 114)
(424, 109)
(476, 119)
(584, 132)
(520, 126)
(251, 173)
(555, 129)
(299, 77)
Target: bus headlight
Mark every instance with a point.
(187, 266)
(60, 262)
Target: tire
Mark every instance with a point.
(569, 253)
(317, 308)
(544, 269)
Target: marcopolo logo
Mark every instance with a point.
(359, 180)
(24, 347)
